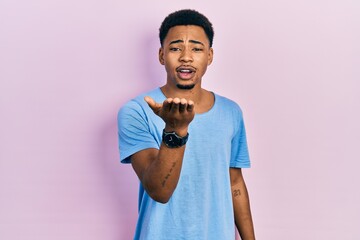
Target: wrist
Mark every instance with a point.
(173, 140)
(182, 132)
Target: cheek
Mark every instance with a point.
(169, 68)
(204, 63)
(204, 68)
(170, 61)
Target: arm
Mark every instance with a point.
(242, 213)
(159, 170)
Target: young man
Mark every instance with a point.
(187, 145)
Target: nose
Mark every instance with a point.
(186, 55)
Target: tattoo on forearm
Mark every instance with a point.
(168, 175)
(236, 192)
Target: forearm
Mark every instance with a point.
(159, 170)
(162, 175)
(242, 212)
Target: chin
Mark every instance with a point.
(185, 87)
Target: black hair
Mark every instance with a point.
(186, 17)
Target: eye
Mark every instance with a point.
(197, 49)
(174, 49)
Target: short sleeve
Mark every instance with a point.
(133, 131)
(239, 148)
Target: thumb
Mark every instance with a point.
(152, 104)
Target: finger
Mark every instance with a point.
(175, 105)
(190, 106)
(167, 104)
(152, 104)
(183, 105)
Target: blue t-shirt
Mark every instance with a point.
(201, 205)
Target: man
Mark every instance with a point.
(187, 145)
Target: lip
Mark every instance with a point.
(185, 72)
(192, 69)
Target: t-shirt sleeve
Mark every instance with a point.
(133, 131)
(239, 148)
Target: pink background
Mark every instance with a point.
(67, 66)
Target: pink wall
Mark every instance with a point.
(67, 66)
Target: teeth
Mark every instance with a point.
(185, 71)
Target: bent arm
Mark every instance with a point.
(159, 170)
(241, 204)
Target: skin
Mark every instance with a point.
(241, 204)
(185, 48)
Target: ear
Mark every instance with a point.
(161, 56)
(210, 56)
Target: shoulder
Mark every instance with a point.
(138, 105)
(227, 104)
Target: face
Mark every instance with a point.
(185, 53)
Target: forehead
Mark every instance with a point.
(186, 32)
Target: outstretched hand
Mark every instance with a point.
(177, 113)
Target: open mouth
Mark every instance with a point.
(185, 73)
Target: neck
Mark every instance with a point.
(194, 94)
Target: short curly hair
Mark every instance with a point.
(186, 17)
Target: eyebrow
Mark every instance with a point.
(181, 41)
